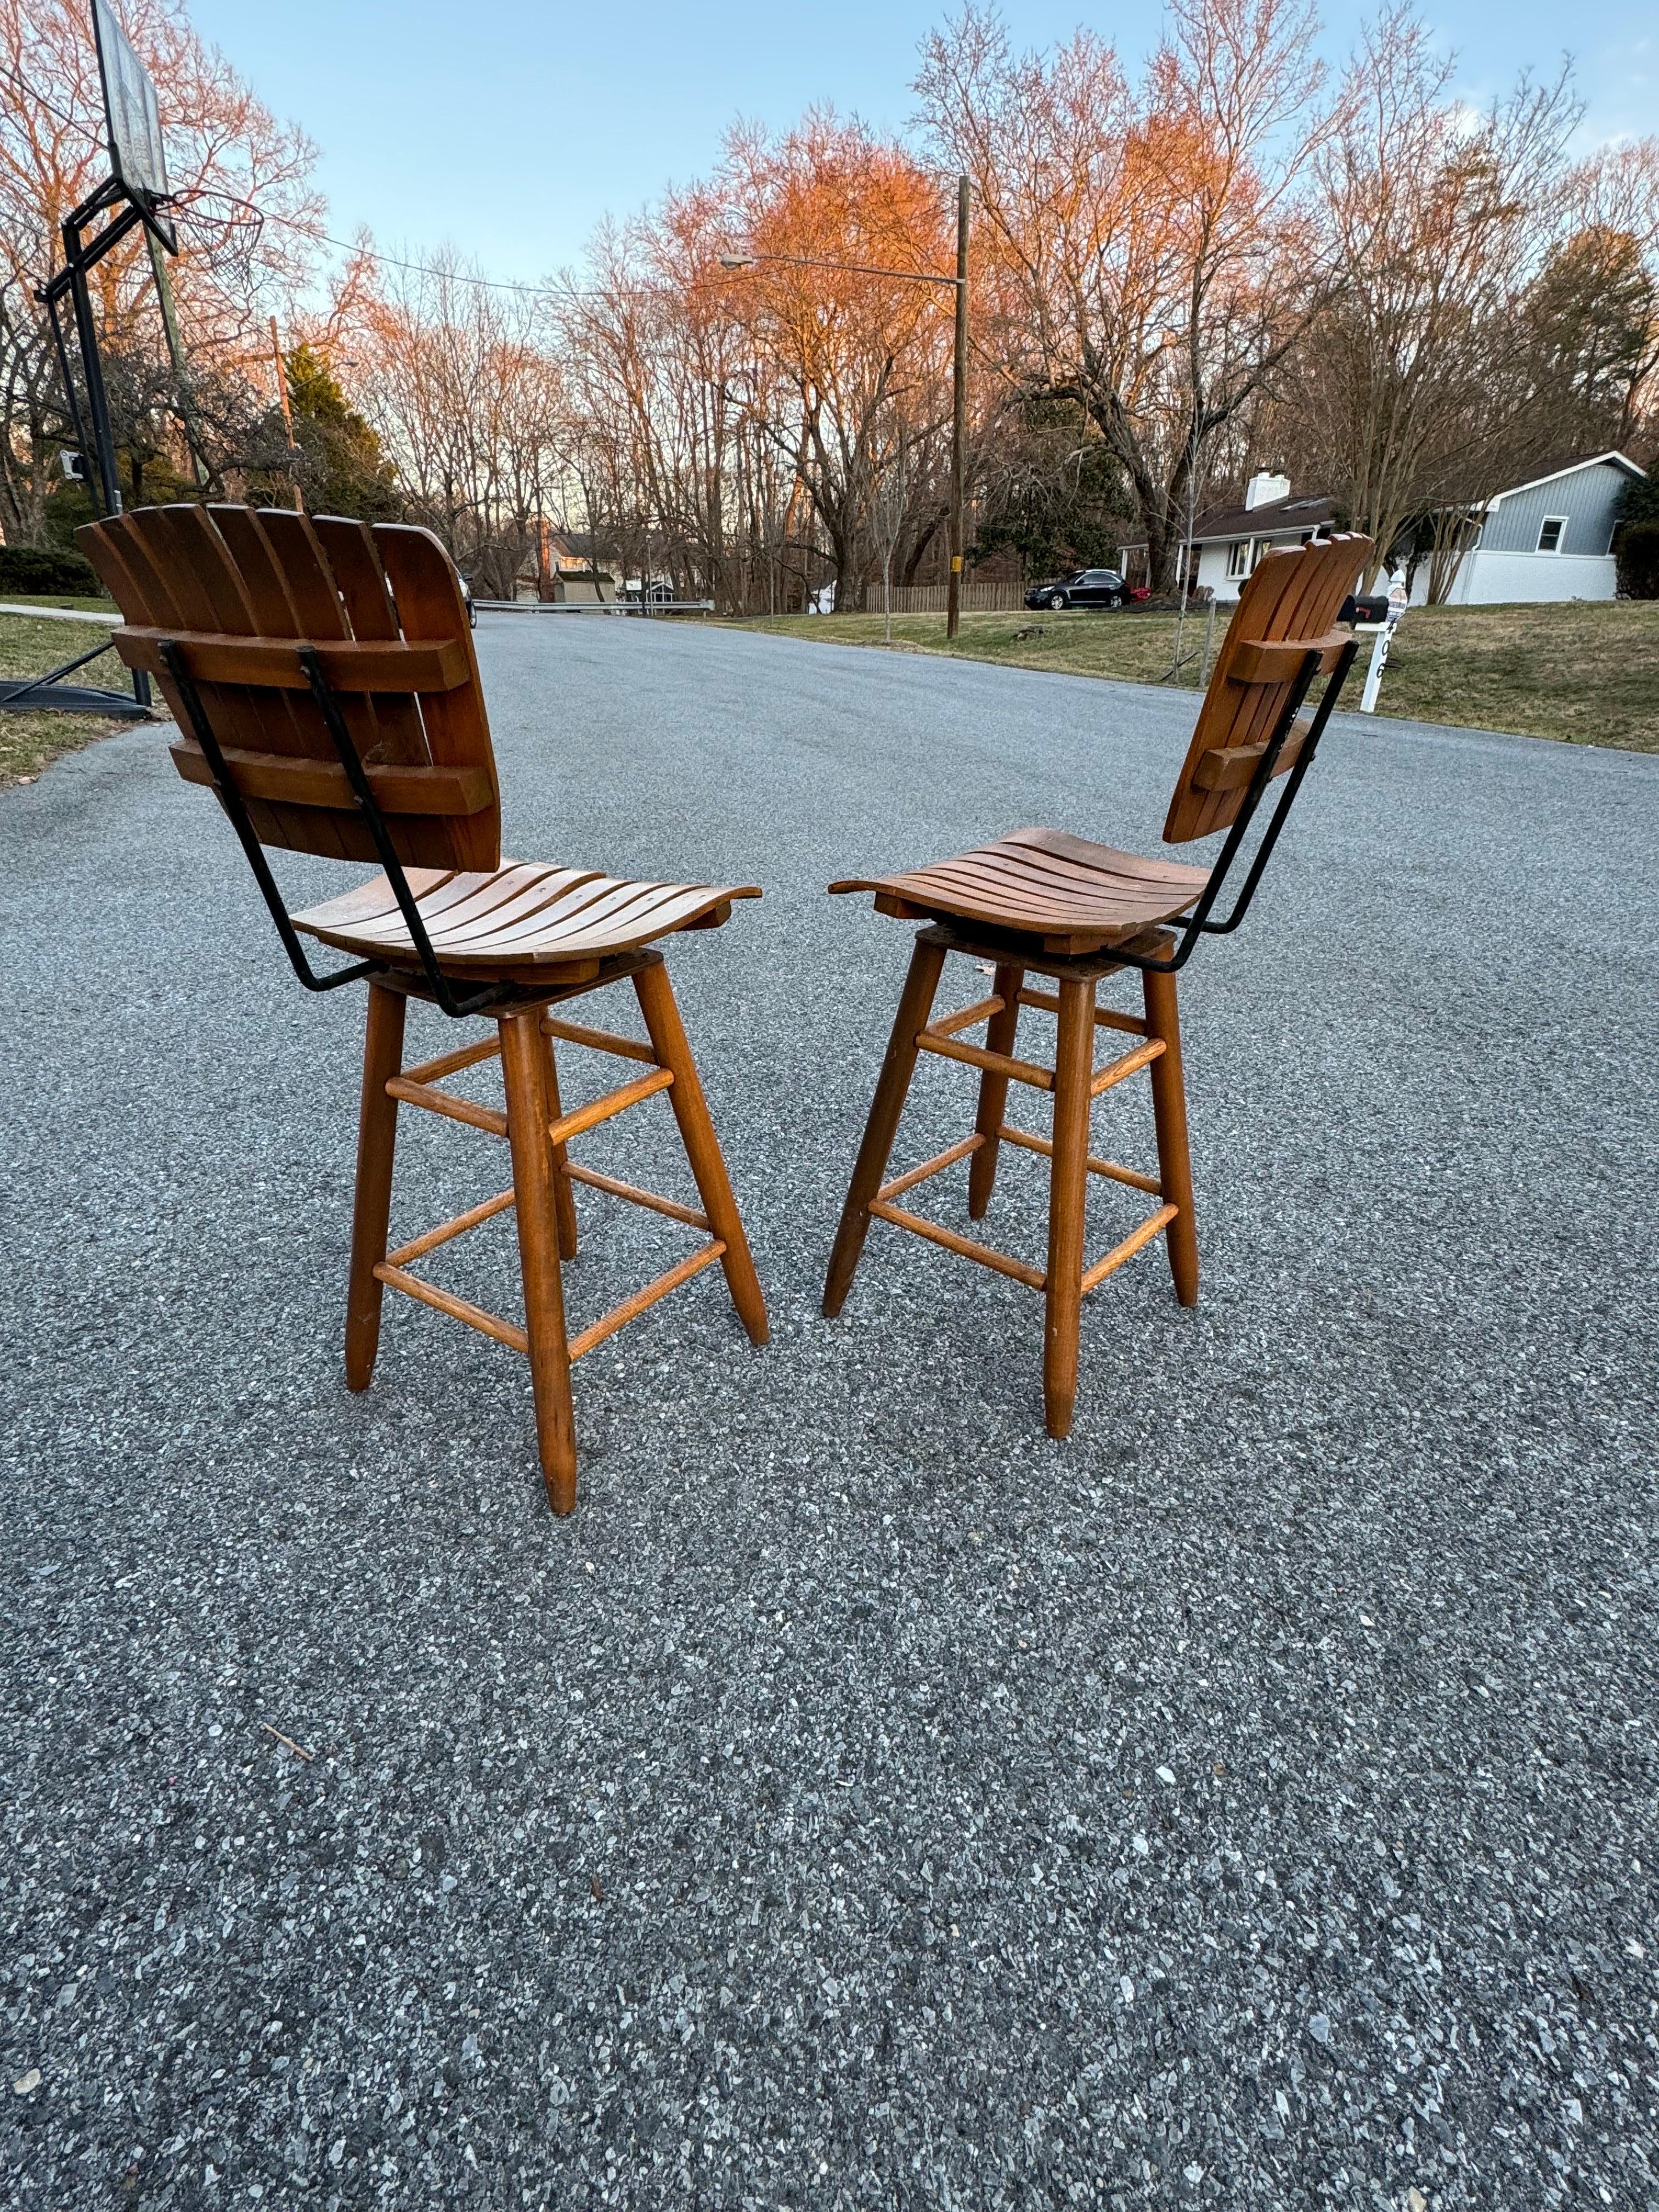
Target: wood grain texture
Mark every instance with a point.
(1000, 1038)
(915, 1002)
(1068, 1183)
(1170, 1119)
(377, 1132)
(524, 1068)
(668, 1041)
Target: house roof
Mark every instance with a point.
(1274, 518)
(1567, 465)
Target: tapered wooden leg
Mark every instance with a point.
(668, 1041)
(916, 1004)
(994, 1093)
(376, 1131)
(523, 1066)
(564, 1198)
(1067, 1185)
(1169, 1118)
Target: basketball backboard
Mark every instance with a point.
(135, 152)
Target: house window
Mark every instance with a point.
(1238, 557)
(1551, 532)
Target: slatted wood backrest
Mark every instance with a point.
(240, 593)
(1289, 606)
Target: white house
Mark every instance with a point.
(1550, 537)
(1227, 542)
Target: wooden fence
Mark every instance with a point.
(929, 599)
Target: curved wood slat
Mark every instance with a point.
(348, 547)
(273, 663)
(568, 924)
(305, 782)
(1044, 883)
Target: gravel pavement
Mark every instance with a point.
(863, 1801)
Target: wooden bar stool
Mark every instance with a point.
(1040, 903)
(322, 678)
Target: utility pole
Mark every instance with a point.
(287, 417)
(959, 418)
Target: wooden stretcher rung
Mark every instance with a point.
(613, 1102)
(966, 1019)
(452, 1063)
(937, 1165)
(608, 1324)
(446, 1230)
(1131, 1064)
(1106, 1018)
(488, 1324)
(1096, 1166)
(635, 1196)
(439, 1101)
(1003, 1265)
(598, 1040)
(999, 1063)
(1131, 1244)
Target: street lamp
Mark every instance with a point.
(958, 284)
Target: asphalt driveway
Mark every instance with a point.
(864, 1801)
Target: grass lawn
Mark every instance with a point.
(98, 606)
(1586, 673)
(29, 741)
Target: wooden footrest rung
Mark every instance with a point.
(617, 1188)
(452, 1063)
(937, 1165)
(1131, 1064)
(411, 1093)
(1131, 1244)
(1106, 1018)
(998, 1063)
(608, 1324)
(948, 1025)
(597, 1040)
(614, 1102)
(1135, 1180)
(457, 1227)
(445, 1302)
(1033, 1278)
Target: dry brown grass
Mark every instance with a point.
(1586, 673)
(30, 741)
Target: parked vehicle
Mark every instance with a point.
(1088, 587)
(467, 602)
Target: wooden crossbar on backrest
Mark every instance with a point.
(1287, 609)
(238, 594)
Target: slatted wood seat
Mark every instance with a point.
(1044, 903)
(323, 679)
(517, 922)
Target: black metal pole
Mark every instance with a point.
(103, 436)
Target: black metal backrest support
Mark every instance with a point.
(493, 994)
(1199, 922)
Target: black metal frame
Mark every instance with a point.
(75, 698)
(1198, 923)
(492, 996)
(81, 255)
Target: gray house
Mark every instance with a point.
(1550, 537)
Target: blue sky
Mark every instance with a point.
(508, 130)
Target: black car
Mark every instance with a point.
(1088, 587)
